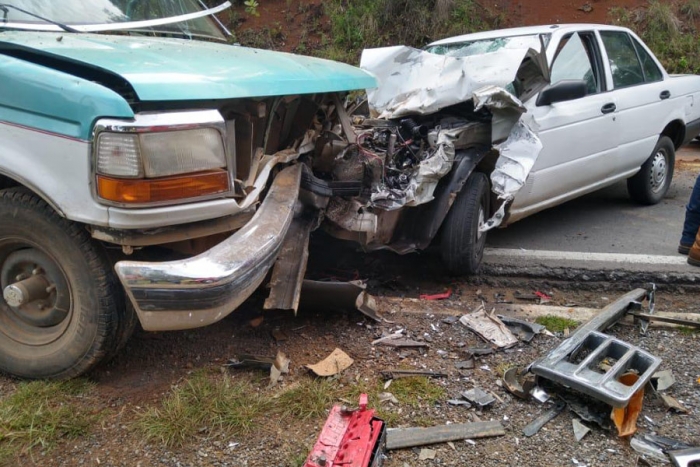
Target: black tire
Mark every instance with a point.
(462, 246)
(651, 183)
(67, 332)
(126, 325)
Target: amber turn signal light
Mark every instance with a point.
(144, 191)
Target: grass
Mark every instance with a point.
(691, 10)
(556, 323)
(39, 414)
(204, 404)
(214, 405)
(688, 331)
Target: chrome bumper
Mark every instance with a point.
(201, 290)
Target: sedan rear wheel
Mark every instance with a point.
(651, 183)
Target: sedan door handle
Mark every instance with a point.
(665, 95)
(607, 108)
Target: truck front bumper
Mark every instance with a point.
(202, 290)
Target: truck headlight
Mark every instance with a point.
(161, 157)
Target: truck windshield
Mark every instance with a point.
(180, 18)
(483, 46)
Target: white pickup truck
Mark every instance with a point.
(147, 175)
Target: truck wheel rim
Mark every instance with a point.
(659, 169)
(36, 303)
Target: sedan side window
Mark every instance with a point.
(624, 62)
(575, 59)
(651, 69)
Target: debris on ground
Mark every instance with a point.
(523, 330)
(648, 450)
(349, 434)
(672, 403)
(662, 380)
(479, 397)
(580, 430)
(426, 454)
(340, 295)
(438, 296)
(573, 363)
(399, 438)
(395, 374)
(489, 327)
(277, 365)
(686, 457)
(333, 364)
(518, 383)
(625, 418)
(536, 425)
(387, 397)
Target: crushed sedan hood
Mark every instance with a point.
(174, 69)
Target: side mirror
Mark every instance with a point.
(564, 90)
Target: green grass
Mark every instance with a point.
(688, 331)
(213, 405)
(204, 404)
(691, 10)
(40, 414)
(556, 323)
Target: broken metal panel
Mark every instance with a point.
(574, 363)
(288, 272)
(536, 425)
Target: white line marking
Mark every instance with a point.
(583, 256)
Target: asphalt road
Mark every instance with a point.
(603, 230)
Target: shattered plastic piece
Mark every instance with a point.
(349, 434)
(662, 380)
(461, 402)
(399, 438)
(489, 328)
(580, 430)
(519, 384)
(543, 296)
(667, 444)
(648, 449)
(686, 457)
(450, 319)
(438, 296)
(479, 397)
(540, 395)
(396, 335)
(625, 418)
(536, 425)
(476, 352)
(426, 454)
(590, 411)
(524, 330)
(465, 365)
(672, 403)
(335, 363)
(279, 367)
(387, 397)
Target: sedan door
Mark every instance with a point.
(579, 137)
(642, 95)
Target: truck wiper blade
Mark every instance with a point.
(5, 6)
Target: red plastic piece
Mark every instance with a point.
(543, 295)
(348, 438)
(438, 296)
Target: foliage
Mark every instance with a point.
(359, 24)
(674, 42)
(251, 7)
(556, 324)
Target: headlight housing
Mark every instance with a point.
(161, 158)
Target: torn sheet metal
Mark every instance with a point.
(517, 157)
(339, 295)
(489, 328)
(413, 81)
(536, 425)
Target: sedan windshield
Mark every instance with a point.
(182, 18)
(483, 46)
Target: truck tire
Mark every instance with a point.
(651, 183)
(462, 244)
(65, 298)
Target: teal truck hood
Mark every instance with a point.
(173, 69)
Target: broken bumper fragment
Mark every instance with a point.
(202, 290)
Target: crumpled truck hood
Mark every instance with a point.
(173, 69)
